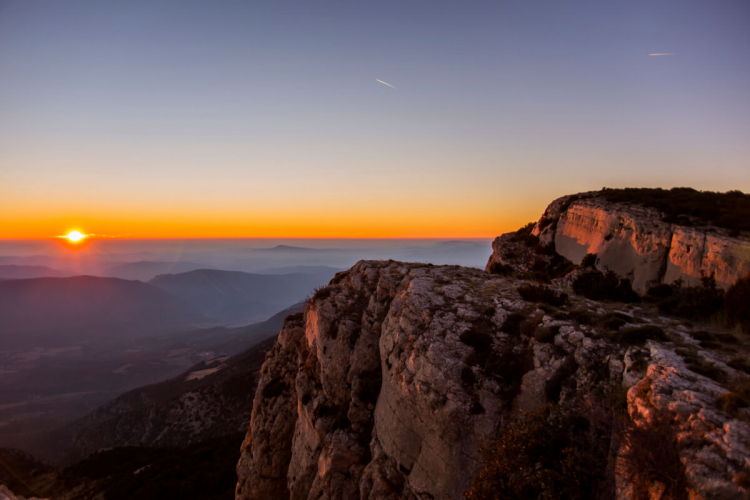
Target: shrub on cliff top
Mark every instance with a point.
(639, 335)
(589, 261)
(581, 451)
(686, 206)
(524, 234)
(512, 323)
(501, 269)
(737, 303)
(650, 454)
(549, 453)
(596, 285)
(549, 265)
(544, 294)
(698, 302)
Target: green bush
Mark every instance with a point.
(524, 234)
(638, 335)
(545, 333)
(737, 303)
(686, 206)
(569, 452)
(501, 269)
(614, 321)
(707, 369)
(512, 323)
(549, 453)
(596, 285)
(650, 454)
(541, 293)
(740, 364)
(583, 316)
(589, 261)
(699, 302)
(730, 403)
(549, 265)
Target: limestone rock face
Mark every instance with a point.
(634, 242)
(396, 374)
(714, 448)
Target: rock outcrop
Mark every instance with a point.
(395, 375)
(6, 494)
(635, 242)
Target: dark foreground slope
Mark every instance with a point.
(200, 471)
(208, 400)
(176, 439)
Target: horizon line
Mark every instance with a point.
(168, 238)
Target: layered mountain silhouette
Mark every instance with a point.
(59, 311)
(235, 297)
(148, 269)
(14, 271)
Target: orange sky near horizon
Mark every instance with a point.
(311, 224)
(261, 120)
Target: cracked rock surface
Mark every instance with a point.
(396, 374)
(634, 242)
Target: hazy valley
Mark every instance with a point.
(72, 343)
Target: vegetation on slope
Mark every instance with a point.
(567, 451)
(689, 207)
(203, 471)
(705, 302)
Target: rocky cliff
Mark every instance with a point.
(635, 242)
(6, 494)
(396, 374)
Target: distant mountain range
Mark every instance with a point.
(13, 271)
(146, 269)
(235, 297)
(324, 270)
(61, 311)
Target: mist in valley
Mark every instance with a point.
(83, 324)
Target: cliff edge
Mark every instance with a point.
(638, 241)
(396, 375)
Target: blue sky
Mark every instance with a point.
(240, 117)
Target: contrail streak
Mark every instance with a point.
(384, 83)
(662, 54)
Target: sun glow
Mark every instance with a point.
(75, 236)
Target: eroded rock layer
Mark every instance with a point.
(634, 242)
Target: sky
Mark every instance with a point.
(150, 119)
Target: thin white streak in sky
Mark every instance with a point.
(384, 83)
(662, 54)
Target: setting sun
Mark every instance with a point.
(75, 236)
